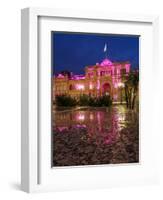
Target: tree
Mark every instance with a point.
(66, 73)
(131, 88)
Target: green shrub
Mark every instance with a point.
(104, 101)
(84, 100)
(65, 100)
(93, 101)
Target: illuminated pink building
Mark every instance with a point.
(105, 78)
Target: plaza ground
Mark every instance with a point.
(92, 136)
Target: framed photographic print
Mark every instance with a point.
(95, 104)
(88, 90)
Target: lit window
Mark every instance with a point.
(91, 86)
(80, 87)
(102, 73)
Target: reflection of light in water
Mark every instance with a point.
(80, 126)
(109, 139)
(62, 128)
(81, 117)
(121, 117)
(99, 118)
(102, 125)
(91, 116)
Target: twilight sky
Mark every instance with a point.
(74, 51)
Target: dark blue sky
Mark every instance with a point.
(74, 51)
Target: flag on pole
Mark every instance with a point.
(105, 47)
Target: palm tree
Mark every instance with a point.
(131, 88)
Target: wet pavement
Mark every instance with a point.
(92, 136)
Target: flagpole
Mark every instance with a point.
(106, 50)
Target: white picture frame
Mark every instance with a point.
(36, 170)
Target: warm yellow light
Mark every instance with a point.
(120, 84)
(90, 86)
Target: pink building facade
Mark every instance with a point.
(105, 78)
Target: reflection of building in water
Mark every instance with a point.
(105, 78)
(96, 123)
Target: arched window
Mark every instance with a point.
(106, 89)
(102, 73)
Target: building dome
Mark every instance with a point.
(106, 62)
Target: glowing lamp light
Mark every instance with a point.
(81, 117)
(90, 86)
(121, 84)
(80, 87)
(91, 117)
